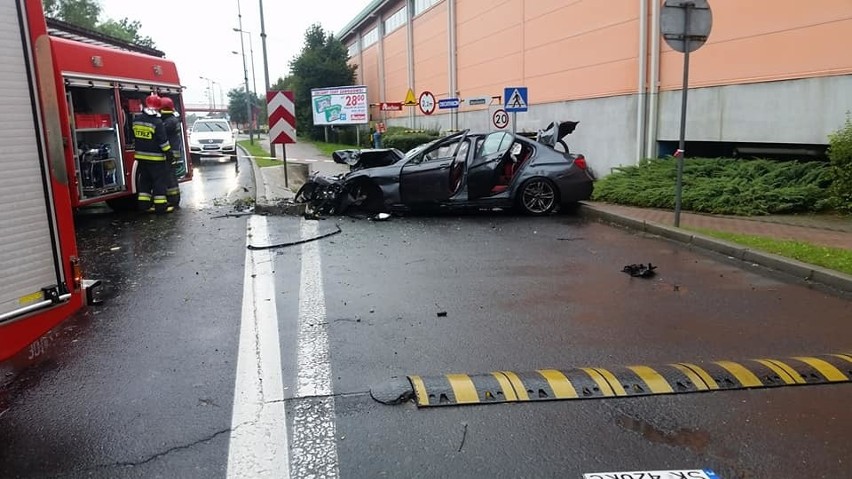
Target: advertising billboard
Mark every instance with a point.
(345, 105)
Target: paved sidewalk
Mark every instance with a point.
(826, 231)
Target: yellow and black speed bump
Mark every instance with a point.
(595, 382)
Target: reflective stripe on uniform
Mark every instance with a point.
(159, 200)
(165, 146)
(144, 196)
(147, 155)
(172, 191)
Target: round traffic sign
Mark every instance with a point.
(427, 102)
(500, 119)
(686, 24)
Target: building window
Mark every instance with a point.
(370, 38)
(353, 49)
(396, 20)
(421, 6)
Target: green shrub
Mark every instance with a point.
(840, 172)
(405, 141)
(721, 186)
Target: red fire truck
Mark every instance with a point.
(64, 143)
(104, 82)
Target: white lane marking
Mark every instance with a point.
(314, 442)
(258, 445)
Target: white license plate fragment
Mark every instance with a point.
(679, 474)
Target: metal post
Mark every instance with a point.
(514, 122)
(245, 73)
(682, 143)
(266, 79)
(284, 153)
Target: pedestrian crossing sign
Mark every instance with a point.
(515, 99)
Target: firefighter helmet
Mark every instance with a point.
(167, 104)
(153, 102)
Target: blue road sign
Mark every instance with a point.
(515, 99)
(446, 103)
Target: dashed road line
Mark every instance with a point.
(314, 443)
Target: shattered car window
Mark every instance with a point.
(494, 143)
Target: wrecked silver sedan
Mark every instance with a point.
(462, 170)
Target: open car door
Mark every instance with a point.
(484, 171)
(426, 177)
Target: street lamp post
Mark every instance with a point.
(245, 73)
(212, 94)
(251, 54)
(266, 82)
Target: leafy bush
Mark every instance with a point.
(840, 154)
(404, 139)
(721, 186)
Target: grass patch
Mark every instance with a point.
(721, 186)
(328, 148)
(838, 259)
(257, 150)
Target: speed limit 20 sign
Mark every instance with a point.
(500, 119)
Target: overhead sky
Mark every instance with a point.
(197, 35)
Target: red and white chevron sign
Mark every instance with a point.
(282, 116)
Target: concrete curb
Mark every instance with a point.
(808, 272)
(274, 201)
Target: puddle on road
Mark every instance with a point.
(696, 441)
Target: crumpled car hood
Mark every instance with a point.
(372, 158)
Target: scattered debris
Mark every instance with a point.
(569, 239)
(442, 314)
(295, 243)
(381, 217)
(639, 270)
(464, 436)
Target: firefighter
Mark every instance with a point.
(154, 156)
(173, 132)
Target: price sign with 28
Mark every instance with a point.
(340, 106)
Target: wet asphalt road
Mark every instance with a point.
(144, 386)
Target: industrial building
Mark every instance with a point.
(773, 77)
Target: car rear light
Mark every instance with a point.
(580, 161)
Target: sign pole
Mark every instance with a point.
(514, 122)
(284, 152)
(682, 140)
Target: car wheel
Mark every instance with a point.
(538, 196)
(196, 159)
(368, 196)
(305, 193)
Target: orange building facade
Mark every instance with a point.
(773, 76)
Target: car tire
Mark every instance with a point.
(305, 193)
(373, 201)
(196, 159)
(538, 196)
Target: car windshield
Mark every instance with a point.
(215, 126)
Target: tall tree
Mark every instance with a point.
(83, 13)
(126, 30)
(87, 14)
(237, 109)
(323, 62)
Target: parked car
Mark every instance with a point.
(212, 137)
(464, 170)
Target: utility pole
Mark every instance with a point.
(245, 73)
(266, 70)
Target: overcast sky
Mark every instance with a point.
(197, 35)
